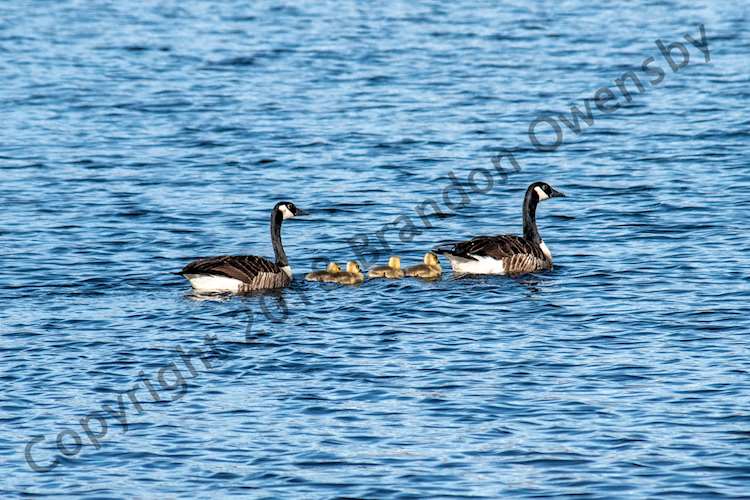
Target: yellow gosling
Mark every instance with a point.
(352, 276)
(332, 269)
(430, 270)
(392, 270)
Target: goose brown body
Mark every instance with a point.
(514, 254)
(251, 273)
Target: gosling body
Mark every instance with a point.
(326, 275)
(391, 271)
(352, 276)
(430, 268)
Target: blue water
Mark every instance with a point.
(138, 137)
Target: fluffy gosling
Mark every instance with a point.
(352, 276)
(332, 269)
(430, 270)
(392, 270)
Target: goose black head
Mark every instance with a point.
(288, 209)
(544, 191)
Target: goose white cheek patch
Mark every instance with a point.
(285, 212)
(542, 195)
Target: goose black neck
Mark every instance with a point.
(530, 231)
(278, 248)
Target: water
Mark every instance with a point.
(138, 137)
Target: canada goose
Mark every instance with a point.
(352, 276)
(429, 270)
(506, 254)
(332, 269)
(392, 270)
(244, 273)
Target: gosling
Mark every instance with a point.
(352, 276)
(392, 270)
(332, 269)
(430, 270)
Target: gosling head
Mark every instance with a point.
(431, 259)
(333, 268)
(543, 191)
(353, 267)
(394, 262)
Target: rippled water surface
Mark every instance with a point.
(138, 137)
